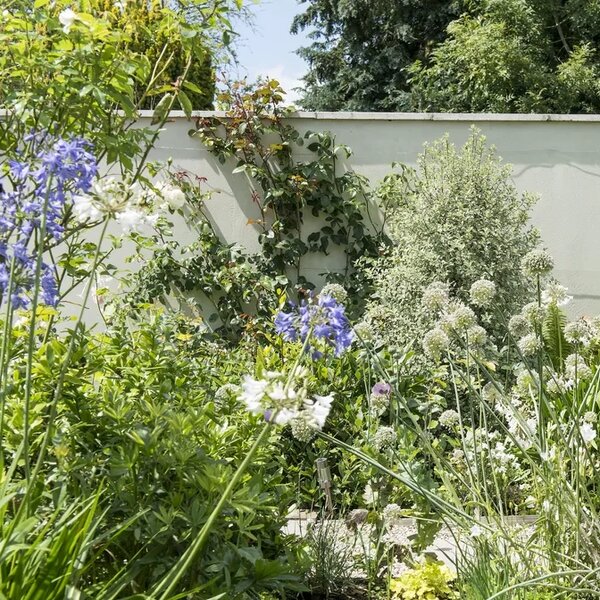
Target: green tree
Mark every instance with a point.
(140, 19)
(467, 55)
(515, 56)
(361, 50)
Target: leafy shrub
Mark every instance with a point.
(141, 413)
(428, 580)
(456, 220)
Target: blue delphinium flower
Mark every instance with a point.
(324, 320)
(40, 189)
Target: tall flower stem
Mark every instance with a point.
(66, 363)
(31, 335)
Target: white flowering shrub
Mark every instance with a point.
(460, 220)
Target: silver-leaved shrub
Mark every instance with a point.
(457, 219)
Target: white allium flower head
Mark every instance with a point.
(378, 404)
(392, 513)
(449, 419)
(301, 429)
(482, 293)
(435, 342)
(477, 336)
(590, 417)
(576, 368)
(577, 332)
(519, 326)
(534, 313)
(436, 296)
(335, 291)
(461, 318)
(537, 262)
(66, 18)
(529, 345)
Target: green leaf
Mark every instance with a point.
(162, 109)
(192, 87)
(185, 102)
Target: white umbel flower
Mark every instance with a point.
(588, 433)
(85, 210)
(66, 18)
(482, 293)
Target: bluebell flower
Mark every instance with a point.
(41, 189)
(285, 326)
(324, 320)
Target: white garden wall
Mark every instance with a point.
(555, 156)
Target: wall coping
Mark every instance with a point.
(399, 116)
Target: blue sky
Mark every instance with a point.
(266, 47)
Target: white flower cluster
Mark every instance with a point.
(587, 432)
(435, 343)
(449, 419)
(555, 295)
(282, 404)
(537, 262)
(436, 297)
(482, 293)
(132, 206)
(500, 455)
(519, 326)
(529, 345)
(576, 368)
(385, 437)
(335, 291)
(578, 332)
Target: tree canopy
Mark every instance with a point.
(463, 55)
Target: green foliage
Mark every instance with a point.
(456, 220)
(141, 413)
(87, 81)
(231, 284)
(361, 50)
(490, 56)
(232, 289)
(145, 21)
(429, 580)
(513, 56)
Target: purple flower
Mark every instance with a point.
(324, 320)
(284, 326)
(49, 287)
(381, 389)
(44, 183)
